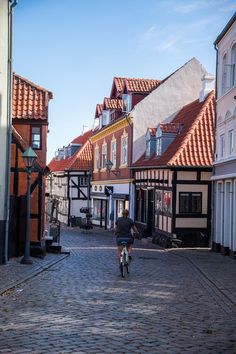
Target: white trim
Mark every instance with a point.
(220, 177)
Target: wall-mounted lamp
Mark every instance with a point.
(109, 165)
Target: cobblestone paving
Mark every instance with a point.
(81, 305)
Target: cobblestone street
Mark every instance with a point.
(81, 304)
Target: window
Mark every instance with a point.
(231, 142)
(233, 65)
(104, 155)
(96, 159)
(224, 75)
(83, 181)
(159, 197)
(158, 135)
(148, 148)
(36, 137)
(105, 117)
(113, 153)
(126, 103)
(222, 145)
(190, 203)
(167, 202)
(124, 150)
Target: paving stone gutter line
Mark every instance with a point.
(33, 272)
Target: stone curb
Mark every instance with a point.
(34, 272)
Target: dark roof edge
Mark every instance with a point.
(226, 28)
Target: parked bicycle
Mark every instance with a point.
(124, 260)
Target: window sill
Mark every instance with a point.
(123, 166)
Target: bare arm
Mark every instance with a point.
(135, 229)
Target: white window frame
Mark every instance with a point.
(96, 159)
(124, 156)
(126, 103)
(113, 152)
(233, 66)
(148, 147)
(221, 145)
(231, 142)
(105, 117)
(104, 155)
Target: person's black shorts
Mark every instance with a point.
(128, 240)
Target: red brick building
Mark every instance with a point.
(112, 181)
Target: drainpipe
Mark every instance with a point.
(9, 132)
(214, 152)
(130, 157)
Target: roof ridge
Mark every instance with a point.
(192, 127)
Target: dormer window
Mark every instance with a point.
(158, 135)
(126, 103)
(148, 148)
(105, 117)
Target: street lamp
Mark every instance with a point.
(29, 157)
(109, 165)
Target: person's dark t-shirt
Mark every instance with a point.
(123, 227)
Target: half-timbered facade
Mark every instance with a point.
(69, 180)
(30, 126)
(173, 184)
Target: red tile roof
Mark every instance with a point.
(170, 127)
(122, 84)
(29, 101)
(152, 131)
(81, 139)
(80, 160)
(112, 103)
(98, 111)
(193, 146)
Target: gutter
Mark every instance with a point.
(12, 4)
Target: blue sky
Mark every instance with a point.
(74, 48)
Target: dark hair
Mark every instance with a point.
(125, 213)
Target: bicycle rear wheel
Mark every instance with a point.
(122, 273)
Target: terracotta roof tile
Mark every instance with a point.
(193, 146)
(29, 101)
(80, 160)
(81, 139)
(112, 103)
(152, 131)
(170, 127)
(122, 84)
(98, 111)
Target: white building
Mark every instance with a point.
(5, 119)
(224, 221)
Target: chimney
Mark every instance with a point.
(208, 84)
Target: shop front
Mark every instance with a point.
(100, 202)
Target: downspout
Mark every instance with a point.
(214, 152)
(131, 155)
(9, 130)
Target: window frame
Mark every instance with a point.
(231, 142)
(104, 153)
(190, 203)
(113, 158)
(31, 136)
(96, 158)
(124, 162)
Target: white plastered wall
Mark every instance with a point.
(165, 102)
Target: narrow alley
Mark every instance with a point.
(168, 304)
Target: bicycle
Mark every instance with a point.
(124, 260)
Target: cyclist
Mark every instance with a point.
(123, 232)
